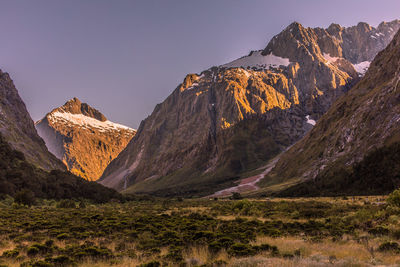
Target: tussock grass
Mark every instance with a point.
(348, 231)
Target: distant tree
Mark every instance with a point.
(25, 197)
(236, 195)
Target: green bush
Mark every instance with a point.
(175, 254)
(151, 264)
(32, 251)
(82, 205)
(266, 247)
(389, 246)
(10, 253)
(66, 204)
(90, 251)
(236, 196)
(394, 198)
(36, 249)
(379, 231)
(42, 263)
(25, 197)
(223, 242)
(63, 236)
(62, 260)
(241, 250)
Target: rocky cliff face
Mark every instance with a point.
(358, 127)
(17, 127)
(232, 118)
(83, 138)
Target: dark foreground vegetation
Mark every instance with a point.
(353, 231)
(27, 182)
(377, 173)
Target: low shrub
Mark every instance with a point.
(236, 196)
(394, 198)
(66, 204)
(62, 260)
(25, 197)
(151, 264)
(32, 251)
(266, 247)
(42, 263)
(63, 236)
(379, 231)
(175, 254)
(223, 242)
(10, 253)
(389, 246)
(241, 250)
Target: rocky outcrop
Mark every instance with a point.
(83, 138)
(358, 127)
(17, 127)
(233, 118)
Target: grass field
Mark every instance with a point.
(350, 231)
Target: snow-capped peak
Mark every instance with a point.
(86, 122)
(257, 60)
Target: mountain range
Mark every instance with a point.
(316, 112)
(223, 124)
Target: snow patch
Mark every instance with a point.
(329, 58)
(259, 61)
(193, 86)
(362, 67)
(310, 121)
(87, 122)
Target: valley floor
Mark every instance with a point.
(353, 231)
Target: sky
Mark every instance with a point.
(123, 57)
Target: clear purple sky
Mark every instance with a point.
(124, 57)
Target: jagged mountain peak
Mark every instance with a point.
(83, 138)
(334, 27)
(75, 106)
(295, 26)
(364, 26)
(345, 46)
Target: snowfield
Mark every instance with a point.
(362, 67)
(87, 122)
(255, 59)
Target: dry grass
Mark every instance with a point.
(297, 262)
(341, 251)
(200, 255)
(125, 262)
(325, 253)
